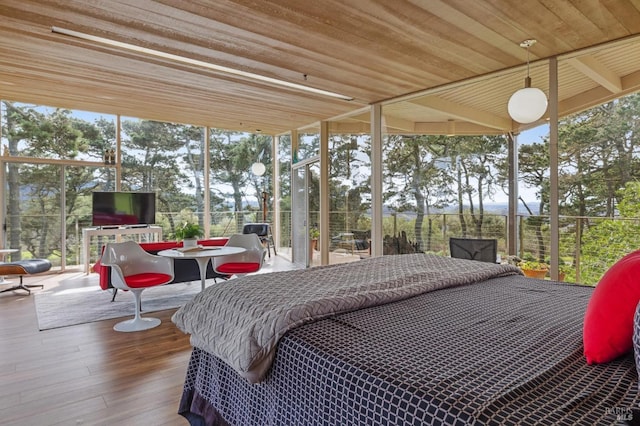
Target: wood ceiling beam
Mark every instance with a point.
(463, 113)
(599, 95)
(420, 128)
(598, 72)
(461, 128)
(390, 121)
(349, 127)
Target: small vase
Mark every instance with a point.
(189, 242)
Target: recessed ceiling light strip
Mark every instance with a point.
(170, 56)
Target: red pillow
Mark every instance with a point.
(608, 320)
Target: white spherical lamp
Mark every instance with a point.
(258, 168)
(527, 105)
(530, 103)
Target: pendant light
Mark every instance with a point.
(530, 103)
(258, 168)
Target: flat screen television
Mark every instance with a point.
(123, 208)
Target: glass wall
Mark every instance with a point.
(350, 196)
(55, 133)
(33, 211)
(284, 156)
(78, 204)
(55, 158)
(308, 145)
(438, 186)
(237, 194)
(49, 158)
(167, 159)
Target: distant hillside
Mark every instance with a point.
(489, 208)
(503, 208)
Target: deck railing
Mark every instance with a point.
(582, 257)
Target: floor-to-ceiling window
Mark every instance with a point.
(167, 159)
(240, 174)
(305, 196)
(283, 198)
(350, 196)
(53, 159)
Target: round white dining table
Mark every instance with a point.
(202, 256)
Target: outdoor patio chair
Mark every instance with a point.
(484, 250)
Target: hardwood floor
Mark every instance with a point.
(89, 374)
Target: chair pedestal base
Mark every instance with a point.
(137, 324)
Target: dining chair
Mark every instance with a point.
(135, 270)
(243, 263)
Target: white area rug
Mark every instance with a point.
(88, 304)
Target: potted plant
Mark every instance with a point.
(188, 232)
(563, 270)
(534, 269)
(314, 234)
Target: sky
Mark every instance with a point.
(525, 138)
(534, 135)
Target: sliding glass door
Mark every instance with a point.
(304, 211)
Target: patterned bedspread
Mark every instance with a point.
(242, 320)
(507, 351)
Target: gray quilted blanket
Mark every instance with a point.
(241, 320)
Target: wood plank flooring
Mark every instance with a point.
(88, 374)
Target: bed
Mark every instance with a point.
(406, 340)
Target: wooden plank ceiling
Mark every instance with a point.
(460, 58)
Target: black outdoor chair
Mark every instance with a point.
(484, 250)
(263, 230)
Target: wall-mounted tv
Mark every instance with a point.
(124, 208)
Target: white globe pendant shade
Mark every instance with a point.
(527, 105)
(258, 168)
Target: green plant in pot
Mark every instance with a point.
(314, 234)
(563, 271)
(534, 269)
(188, 232)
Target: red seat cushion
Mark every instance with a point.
(148, 279)
(608, 320)
(215, 241)
(238, 268)
(159, 246)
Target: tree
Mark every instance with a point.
(476, 158)
(348, 185)
(34, 190)
(260, 146)
(608, 240)
(534, 171)
(414, 180)
(153, 156)
(598, 156)
(232, 155)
